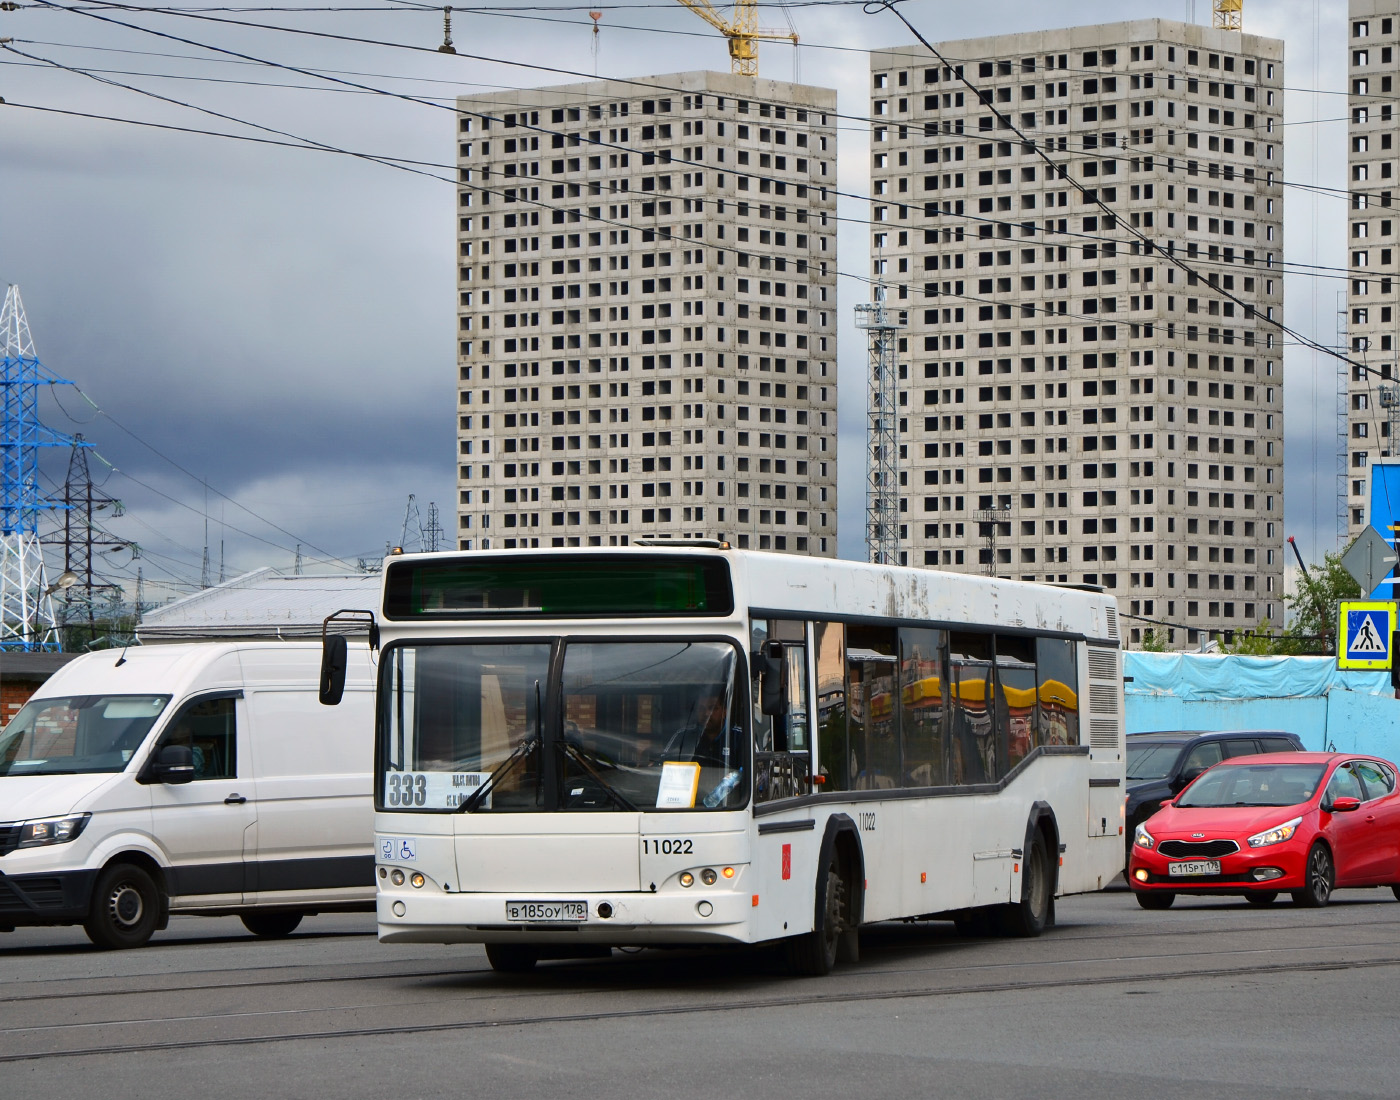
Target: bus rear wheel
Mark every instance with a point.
(814, 954)
(511, 958)
(1029, 916)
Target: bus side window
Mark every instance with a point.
(972, 733)
(921, 654)
(1057, 691)
(1016, 678)
(832, 755)
(872, 721)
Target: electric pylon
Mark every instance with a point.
(411, 539)
(433, 534)
(81, 535)
(26, 599)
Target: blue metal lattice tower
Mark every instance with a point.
(26, 605)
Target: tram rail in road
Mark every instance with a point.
(63, 1005)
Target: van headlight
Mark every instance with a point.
(51, 830)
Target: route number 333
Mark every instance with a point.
(406, 789)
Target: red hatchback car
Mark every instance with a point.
(1306, 822)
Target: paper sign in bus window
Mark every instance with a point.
(679, 784)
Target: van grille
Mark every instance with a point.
(9, 837)
(45, 893)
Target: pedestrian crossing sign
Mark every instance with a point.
(1364, 630)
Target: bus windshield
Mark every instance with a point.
(623, 726)
(77, 733)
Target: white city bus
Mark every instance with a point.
(688, 744)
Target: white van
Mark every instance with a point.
(201, 778)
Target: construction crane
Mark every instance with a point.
(743, 32)
(1229, 15)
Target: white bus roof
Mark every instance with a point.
(812, 587)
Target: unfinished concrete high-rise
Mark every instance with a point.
(647, 337)
(1373, 286)
(1080, 406)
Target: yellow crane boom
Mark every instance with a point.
(743, 32)
(1229, 15)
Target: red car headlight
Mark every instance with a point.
(1277, 835)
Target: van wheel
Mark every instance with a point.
(511, 958)
(814, 954)
(1028, 917)
(126, 907)
(271, 925)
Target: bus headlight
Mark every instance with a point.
(687, 879)
(51, 830)
(418, 880)
(708, 876)
(396, 877)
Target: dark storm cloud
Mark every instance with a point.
(282, 323)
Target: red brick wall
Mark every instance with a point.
(15, 692)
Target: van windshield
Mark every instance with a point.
(77, 733)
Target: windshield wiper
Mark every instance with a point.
(612, 792)
(470, 804)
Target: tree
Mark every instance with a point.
(1314, 606)
(1153, 642)
(1260, 642)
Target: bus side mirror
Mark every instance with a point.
(334, 660)
(773, 689)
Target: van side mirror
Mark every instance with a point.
(773, 688)
(173, 764)
(335, 657)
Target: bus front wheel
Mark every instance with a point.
(814, 954)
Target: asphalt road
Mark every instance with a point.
(1212, 998)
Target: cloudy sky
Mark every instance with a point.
(262, 337)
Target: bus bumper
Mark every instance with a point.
(636, 919)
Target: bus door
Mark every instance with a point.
(783, 743)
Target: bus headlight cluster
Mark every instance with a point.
(397, 877)
(709, 876)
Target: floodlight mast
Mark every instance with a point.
(882, 432)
